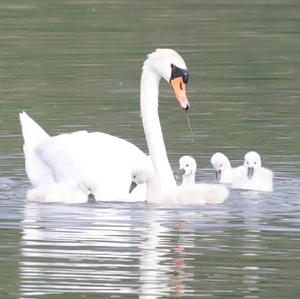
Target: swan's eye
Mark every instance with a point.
(134, 176)
(187, 165)
(178, 72)
(254, 162)
(221, 165)
(185, 77)
(180, 85)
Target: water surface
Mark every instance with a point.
(75, 65)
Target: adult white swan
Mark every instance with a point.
(102, 158)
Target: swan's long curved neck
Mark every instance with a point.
(150, 117)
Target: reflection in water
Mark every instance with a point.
(76, 249)
(75, 65)
(162, 264)
(154, 269)
(239, 248)
(94, 250)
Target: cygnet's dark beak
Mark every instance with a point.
(218, 174)
(250, 172)
(132, 186)
(181, 171)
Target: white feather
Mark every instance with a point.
(262, 179)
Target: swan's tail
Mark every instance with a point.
(37, 172)
(33, 133)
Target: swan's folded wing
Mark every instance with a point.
(98, 156)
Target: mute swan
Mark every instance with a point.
(254, 177)
(224, 172)
(67, 158)
(187, 194)
(187, 168)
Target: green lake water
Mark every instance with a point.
(74, 65)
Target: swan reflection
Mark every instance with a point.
(96, 249)
(144, 250)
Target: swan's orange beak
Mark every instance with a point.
(179, 88)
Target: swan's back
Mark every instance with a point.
(202, 194)
(236, 172)
(262, 180)
(98, 155)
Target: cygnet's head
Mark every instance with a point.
(168, 64)
(139, 175)
(252, 161)
(187, 166)
(88, 186)
(220, 163)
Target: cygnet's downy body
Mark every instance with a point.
(254, 177)
(63, 192)
(190, 193)
(224, 172)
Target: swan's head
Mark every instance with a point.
(187, 166)
(168, 64)
(220, 163)
(252, 162)
(140, 175)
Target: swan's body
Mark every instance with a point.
(108, 160)
(187, 168)
(254, 177)
(187, 194)
(224, 172)
(69, 158)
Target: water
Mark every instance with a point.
(75, 65)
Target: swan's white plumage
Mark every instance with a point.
(202, 194)
(57, 192)
(108, 160)
(187, 168)
(224, 172)
(158, 65)
(187, 194)
(37, 171)
(67, 158)
(262, 178)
